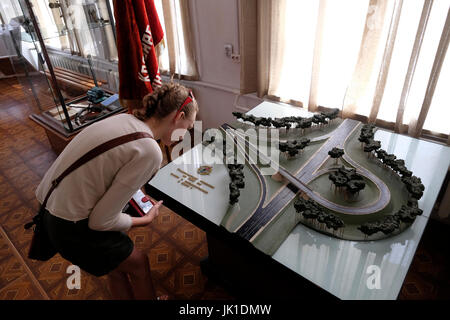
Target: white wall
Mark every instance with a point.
(215, 23)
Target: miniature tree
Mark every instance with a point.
(287, 122)
(332, 114)
(238, 115)
(323, 119)
(414, 186)
(386, 225)
(404, 172)
(372, 145)
(277, 123)
(299, 144)
(304, 124)
(389, 159)
(336, 153)
(245, 117)
(319, 119)
(315, 120)
(311, 211)
(353, 182)
(292, 147)
(297, 121)
(251, 118)
(355, 186)
(368, 229)
(366, 133)
(381, 154)
(307, 207)
(258, 121)
(234, 193)
(236, 174)
(283, 146)
(292, 152)
(287, 125)
(408, 214)
(398, 166)
(394, 164)
(363, 139)
(333, 222)
(330, 220)
(339, 180)
(321, 216)
(389, 224)
(300, 204)
(304, 142)
(412, 202)
(288, 119)
(267, 122)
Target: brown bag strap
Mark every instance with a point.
(92, 154)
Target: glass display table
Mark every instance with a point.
(307, 263)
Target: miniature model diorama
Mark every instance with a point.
(332, 176)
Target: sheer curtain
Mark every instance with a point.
(380, 61)
(176, 52)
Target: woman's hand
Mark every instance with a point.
(145, 220)
(154, 211)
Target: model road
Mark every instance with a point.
(263, 215)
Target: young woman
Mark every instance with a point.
(84, 215)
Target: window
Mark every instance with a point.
(370, 58)
(177, 50)
(83, 28)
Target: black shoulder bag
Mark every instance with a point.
(41, 247)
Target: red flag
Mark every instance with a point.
(138, 32)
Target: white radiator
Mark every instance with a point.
(104, 70)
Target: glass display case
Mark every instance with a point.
(71, 44)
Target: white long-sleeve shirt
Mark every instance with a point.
(102, 187)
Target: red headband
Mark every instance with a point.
(188, 100)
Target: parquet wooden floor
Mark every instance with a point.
(174, 246)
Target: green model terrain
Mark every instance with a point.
(270, 237)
